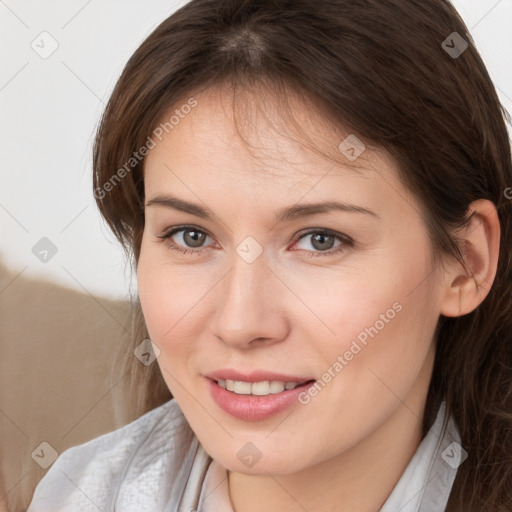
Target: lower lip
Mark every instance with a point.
(253, 407)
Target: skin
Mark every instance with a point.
(290, 313)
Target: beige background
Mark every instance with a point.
(58, 382)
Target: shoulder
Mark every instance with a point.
(97, 474)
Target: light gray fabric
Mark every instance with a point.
(156, 464)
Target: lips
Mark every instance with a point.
(250, 407)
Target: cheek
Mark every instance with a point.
(356, 304)
(384, 344)
(380, 316)
(173, 299)
(162, 312)
(166, 292)
(155, 298)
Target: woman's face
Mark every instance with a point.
(276, 290)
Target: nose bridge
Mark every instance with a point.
(246, 308)
(243, 290)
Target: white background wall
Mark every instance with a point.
(50, 108)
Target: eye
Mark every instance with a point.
(190, 236)
(322, 241)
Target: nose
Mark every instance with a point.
(250, 306)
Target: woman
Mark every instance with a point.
(316, 197)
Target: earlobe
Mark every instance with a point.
(480, 243)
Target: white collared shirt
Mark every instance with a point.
(156, 464)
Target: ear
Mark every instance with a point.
(480, 244)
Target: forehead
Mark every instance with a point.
(263, 144)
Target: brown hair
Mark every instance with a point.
(382, 69)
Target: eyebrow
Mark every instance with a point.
(285, 214)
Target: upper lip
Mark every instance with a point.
(254, 376)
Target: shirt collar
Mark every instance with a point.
(426, 483)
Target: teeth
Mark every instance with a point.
(242, 388)
(256, 388)
(261, 388)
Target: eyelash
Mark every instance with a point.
(347, 242)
